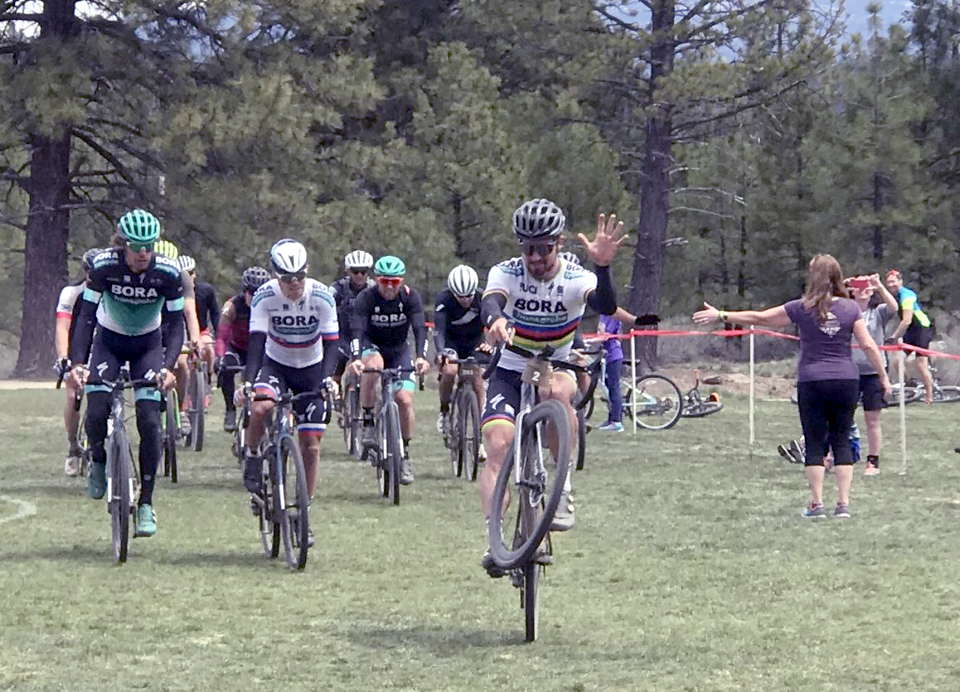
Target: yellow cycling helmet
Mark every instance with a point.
(167, 249)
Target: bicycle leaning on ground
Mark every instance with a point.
(388, 453)
(462, 431)
(519, 536)
(694, 405)
(282, 507)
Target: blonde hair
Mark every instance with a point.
(824, 283)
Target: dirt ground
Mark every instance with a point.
(768, 386)
(27, 384)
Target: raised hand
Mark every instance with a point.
(603, 247)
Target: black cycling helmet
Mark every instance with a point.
(254, 277)
(87, 259)
(538, 219)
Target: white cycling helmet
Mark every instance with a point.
(358, 259)
(187, 263)
(288, 256)
(538, 220)
(463, 281)
(571, 258)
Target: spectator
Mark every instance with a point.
(828, 381)
(915, 327)
(871, 392)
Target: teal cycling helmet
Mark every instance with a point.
(388, 265)
(139, 226)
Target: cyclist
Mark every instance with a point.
(457, 333)
(537, 300)
(381, 320)
(67, 307)
(345, 291)
(233, 336)
(293, 323)
(208, 309)
(135, 298)
(915, 327)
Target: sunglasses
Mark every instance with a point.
(359, 271)
(542, 249)
(290, 278)
(389, 280)
(140, 247)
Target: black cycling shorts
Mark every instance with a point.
(918, 336)
(871, 392)
(274, 378)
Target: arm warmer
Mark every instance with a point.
(172, 330)
(604, 299)
(255, 350)
(440, 330)
(214, 311)
(83, 332)
(330, 358)
(419, 322)
(491, 308)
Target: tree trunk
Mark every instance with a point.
(45, 256)
(654, 184)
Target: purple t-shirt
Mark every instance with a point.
(610, 325)
(825, 352)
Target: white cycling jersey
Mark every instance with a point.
(546, 313)
(295, 329)
(68, 299)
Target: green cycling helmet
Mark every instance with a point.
(139, 226)
(388, 265)
(167, 249)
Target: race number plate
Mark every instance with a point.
(537, 373)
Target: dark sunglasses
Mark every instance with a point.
(389, 280)
(359, 271)
(140, 247)
(290, 278)
(542, 249)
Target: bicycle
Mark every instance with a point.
(462, 435)
(914, 391)
(538, 490)
(658, 401)
(240, 434)
(123, 481)
(283, 506)
(389, 450)
(196, 402)
(83, 443)
(170, 434)
(694, 406)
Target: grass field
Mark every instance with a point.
(690, 569)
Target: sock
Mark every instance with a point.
(873, 459)
(444, 407)
(367, 416)
(406, 448)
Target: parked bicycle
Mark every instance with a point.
(519, 533)
(462, 428)
(695, 406)
(283, 506)
(913, 391)
(388, 454)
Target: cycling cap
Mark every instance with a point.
(254, 277)
(187, 263)
(388, 265)
(358, 259)
(463, 281)
(288, 256)
(139, 226)
(571, 258)
(538, 219)
(167, 249)
(87, 259)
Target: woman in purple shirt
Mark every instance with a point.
(827, 378)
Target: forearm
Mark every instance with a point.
(491, 308)
(876, 360)
(902, 327)
(172, 338)
(83, 333)
(625, 317)
(62, 338)
(223, 337)
(439, 331)
(604, 299)
(747, 317)
(329, 364)
(190, 315)
(255, 350)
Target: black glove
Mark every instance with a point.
(62, 366)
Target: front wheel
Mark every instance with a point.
(537, 494)
(394, 453)
(197, 397)
(469, 435)
(529, 595)
(294, 510)
(351, 417)
(119, 499)
(171, 434)
(658, 401)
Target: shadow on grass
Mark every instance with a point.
(441, 643)
(34, 490)
(195, 559)
(100, 553)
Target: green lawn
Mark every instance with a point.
(690, 569)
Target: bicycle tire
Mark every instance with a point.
(661, 406)
(351, 420)
(524, 546)
(171, 435)
(910, 395)
(530, 597)
(83, 442)
(469, 434)
(700, 409)
(453, 440)
(294, 512)
(119, 504)
(947, 394)
(581, 437)
(264, 508)
(195, 411)
(394, 450)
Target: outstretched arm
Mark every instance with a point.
(771, 317)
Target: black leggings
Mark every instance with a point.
(826, 416)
